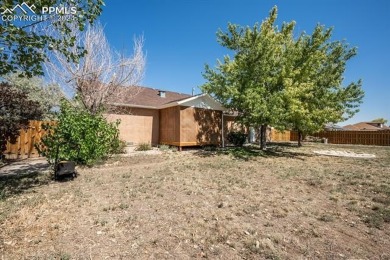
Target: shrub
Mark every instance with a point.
(118, 146)
(210, 148)
(144, 147)
(236, 138)
(80, 136)
(163, 147)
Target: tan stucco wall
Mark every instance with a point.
(138, 125)
(200, 126)
(181, 126)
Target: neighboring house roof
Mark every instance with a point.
(157, 99)
(366, 126)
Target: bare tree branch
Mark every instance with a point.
(102, 76)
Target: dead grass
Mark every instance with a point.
(231, 204)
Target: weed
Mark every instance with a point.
(264, 247)
(377, 217)
(119, 147)
(126, 175)
(109, 208)
(385, 200)
(144, 147)
(210, 148)
(315, 182)
(163, 147)
(326, 218)
(123, 206)
(2, 194)
(64, 256)
(382, 188)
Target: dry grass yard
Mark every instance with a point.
(287, 203)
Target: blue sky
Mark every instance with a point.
(180, 37)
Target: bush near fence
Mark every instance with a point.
(381, 138)
(24, 147)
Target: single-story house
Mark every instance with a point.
(366, 126)
(164, 117)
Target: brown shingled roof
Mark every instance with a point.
(364, 126)
(150, 97)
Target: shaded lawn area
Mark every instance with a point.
(273, 150)
(226, 204)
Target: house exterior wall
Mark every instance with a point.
(178, 126)
(138, 125)
(170, 126)
(200, 126)
(190, 126)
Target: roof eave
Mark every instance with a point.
(217, 106)
(133, 105)
(172, 104)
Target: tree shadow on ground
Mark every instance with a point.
(22, 167)
(19, 176)
(253, 151)
(14, 184)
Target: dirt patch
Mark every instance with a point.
(344, 154)
(132, 151)
(285, 203)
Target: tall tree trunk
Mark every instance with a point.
(263, 136)
(299, 138)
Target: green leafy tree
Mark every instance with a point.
(80, 136)
(47, 95)
(15, 112)
(24, 44)
(250, 83)
(279, 80)
(380, 120)
(313, 82)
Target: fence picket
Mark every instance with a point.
(24, 147)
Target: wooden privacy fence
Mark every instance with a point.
(381, 138)
(286, 136)
(25, 143)
(356, 137)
